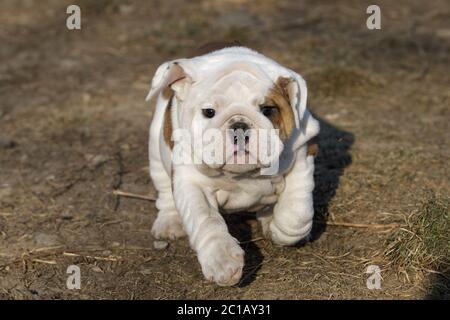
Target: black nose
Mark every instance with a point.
(240, 134)
(239, 125)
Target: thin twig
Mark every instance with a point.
(252, 240)
(359, 225)
(110, 223)
(121, 193)
(44, 261)
(118, 179)
(70, 254)
(45, 249)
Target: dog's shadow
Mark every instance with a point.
(333, 157)
(440, 284)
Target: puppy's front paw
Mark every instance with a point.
(222, 261)
(168, 226)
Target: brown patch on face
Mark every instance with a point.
(167, 125)
(283, 118)
(213, 46)
(312, 149)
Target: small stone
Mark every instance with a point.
(126, 9)
(98, 160)
(67, 215)
(160, 244)
(332, 116)
(68, 64)
(7, 143)
(86, 97)
(125, 147)
(115, 244)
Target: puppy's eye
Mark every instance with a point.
(208, 112)
(268, 111)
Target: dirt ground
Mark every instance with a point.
(74, 127)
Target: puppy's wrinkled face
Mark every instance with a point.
(242, 116)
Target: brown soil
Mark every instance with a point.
(74, 127)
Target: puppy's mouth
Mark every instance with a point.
(240, 143)
(236, 151)
(242, 156)
(239, 154)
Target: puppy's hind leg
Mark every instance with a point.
(168, 223)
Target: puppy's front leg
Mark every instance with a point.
(294, 211)
(219, 254)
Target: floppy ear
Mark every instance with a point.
(176, 74)
(304, 121)
(297, 91)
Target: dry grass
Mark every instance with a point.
(423, 245)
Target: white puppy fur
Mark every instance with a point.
(192, 197)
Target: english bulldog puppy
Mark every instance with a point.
(232, 95)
